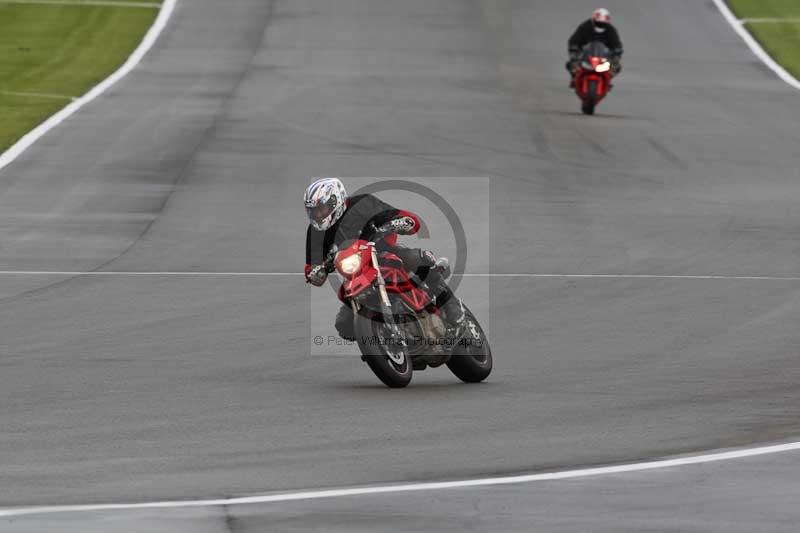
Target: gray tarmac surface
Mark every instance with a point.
(756, 494)
(137, 388)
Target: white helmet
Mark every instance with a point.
(325, 201)
(601, 18)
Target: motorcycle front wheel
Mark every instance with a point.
(384, 350)
(590, 101)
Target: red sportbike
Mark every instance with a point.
(593, 73)
(399, 327)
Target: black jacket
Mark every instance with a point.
(585, 34)
(362, 212)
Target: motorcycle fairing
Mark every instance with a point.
(582, 84)
(394, 274)
(593, 54)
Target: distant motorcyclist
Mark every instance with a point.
(336, 218)
(597, 28)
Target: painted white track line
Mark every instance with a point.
(410, 487)
(639, 276)
(135, 58)
(103, 3)
(38, 95)
(769, 20)
(468, 275)
(738, 25)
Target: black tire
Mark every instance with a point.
(591, 99)
(472, 363)
(376, 355)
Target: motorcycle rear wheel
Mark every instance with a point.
(370, 336)
(472, 363)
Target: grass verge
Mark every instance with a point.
(52, 53)
(780, 34)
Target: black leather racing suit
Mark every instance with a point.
(364, 213)
(585, 34)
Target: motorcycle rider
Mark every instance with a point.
(336, 218)
(597, 28)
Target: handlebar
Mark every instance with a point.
(377, 233)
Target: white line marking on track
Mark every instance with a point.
(641, 276)
(140, 273)
(737, 25)
(78, 273)
(135, 58)
(769, 20)
(102, 3)
(38, 95)
(410, 487)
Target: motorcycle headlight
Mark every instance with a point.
(603, 67)
(350, 264)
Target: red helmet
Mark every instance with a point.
(601, 18)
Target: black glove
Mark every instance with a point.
(377, 233)
(574, 58)
(316, 275)
(402, 225)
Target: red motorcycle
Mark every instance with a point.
(593, 74)
(399, 327)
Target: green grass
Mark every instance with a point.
(780, 39)
(59, 50)
(765, 8)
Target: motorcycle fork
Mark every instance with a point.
(384, 295)
(388, 313)
(381, 282)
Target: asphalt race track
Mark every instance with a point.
(123, 388)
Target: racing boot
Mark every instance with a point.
(448, 302)
(454, 313)
(423, 264)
